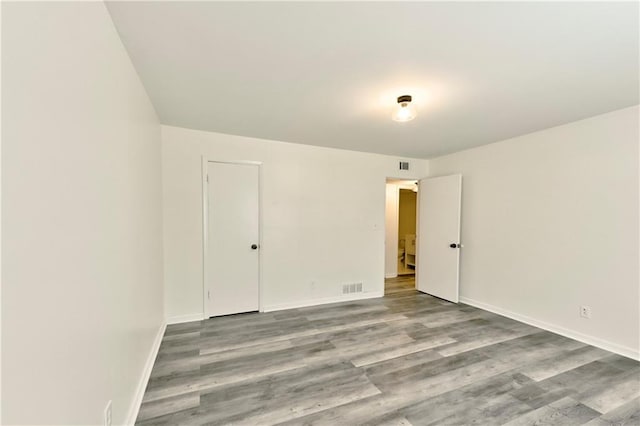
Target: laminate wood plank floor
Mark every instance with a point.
(405, 359)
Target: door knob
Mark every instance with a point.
(254, 246)
(454, 245)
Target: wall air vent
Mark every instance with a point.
(404, 165)
(352, 288)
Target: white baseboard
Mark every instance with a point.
(179, 319)
(584, 338)
(291, 305)
(144, 379)
(391, 275)
(323, 301)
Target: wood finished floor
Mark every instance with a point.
(405, 359)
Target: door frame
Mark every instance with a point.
(205, 227)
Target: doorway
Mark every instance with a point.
(401, 225)
(422, 234)
(232, 238)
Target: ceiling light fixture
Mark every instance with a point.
(405, 111)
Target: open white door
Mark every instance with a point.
(438, 236)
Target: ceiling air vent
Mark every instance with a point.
(404, 165)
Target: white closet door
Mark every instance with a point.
(233, 239)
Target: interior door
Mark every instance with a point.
(439, 236)
(232, 278)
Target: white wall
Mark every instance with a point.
(322, 218)
(82, 294)
(391, 231)
(0, 225)
(550, 222)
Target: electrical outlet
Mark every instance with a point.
(107, 414)
(585, 311)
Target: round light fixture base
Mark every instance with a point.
(405, 111)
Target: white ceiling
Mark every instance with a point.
(327, 73)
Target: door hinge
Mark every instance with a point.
(207, 177)
(208, 294)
